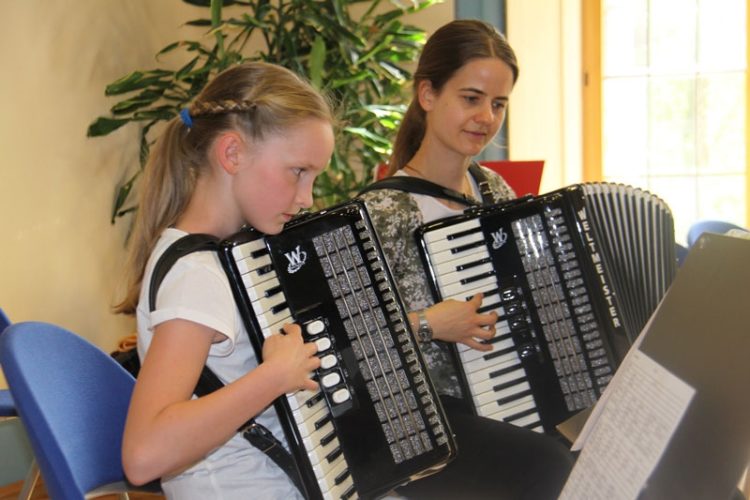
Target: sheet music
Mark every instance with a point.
(628, 432)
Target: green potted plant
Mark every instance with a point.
(355, 50)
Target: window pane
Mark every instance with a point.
(679, 193)
(672, 37)
(723, 198)
(624, 33)
(721, 124)
(625, 127)
(672, 125)
(721, 35)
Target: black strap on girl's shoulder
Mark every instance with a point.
(208, 382)
(187, 244)
(429, 188)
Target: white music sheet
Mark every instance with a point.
(628, 431)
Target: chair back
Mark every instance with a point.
(709, 226)
(7, 406)
(4, 321)
(72, 398)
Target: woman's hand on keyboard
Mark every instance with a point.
(459, 322)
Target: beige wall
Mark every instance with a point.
(544, 120)
(61, 259)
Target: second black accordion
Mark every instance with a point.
(376, 421)
(573, 275)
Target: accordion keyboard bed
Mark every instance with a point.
(573, 276)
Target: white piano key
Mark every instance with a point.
(255, 278)
(470, 354)
(311, 442)
(497, 412)
(336, 491)
(282, 320)
(444, 232)
(329, 470)
(484, 362)
(270, 318)
(487, 384)
(263, 305)
(299, 398)
(483, 373)
(304, 412)
(490, 396)
(456, 276)
(460, 288)
(461, 259)
(260, 290)
(307, 427)
(250, 264)
(527, 420)
(320, 452)
(471, 289)
(245, 250)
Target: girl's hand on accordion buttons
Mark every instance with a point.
(459, 322)
(293, 359)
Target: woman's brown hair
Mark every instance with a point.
(446, 51)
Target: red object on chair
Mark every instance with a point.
(523, 176)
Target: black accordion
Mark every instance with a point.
(375, 422)
(573, 275)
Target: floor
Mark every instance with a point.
(11, 491)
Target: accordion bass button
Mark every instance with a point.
(315, 327)
(340, 396)
(323, 343)
(330, 379)
(328, 361)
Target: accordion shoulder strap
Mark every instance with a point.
(423, 186)
(257, 434)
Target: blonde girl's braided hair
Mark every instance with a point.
(256, 98)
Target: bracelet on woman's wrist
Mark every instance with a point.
(424, 330)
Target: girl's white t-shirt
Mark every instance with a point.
(197, 289)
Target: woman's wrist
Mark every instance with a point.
(422, 328)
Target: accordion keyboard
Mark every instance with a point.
(376, 421)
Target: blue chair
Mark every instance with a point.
(8, 409)
(72, 398)
(709, 226)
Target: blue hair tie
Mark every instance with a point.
(186, 118)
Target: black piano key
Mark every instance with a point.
(461, 234)
(468, 246)
(328, 438)
(341, 477)
(314, 399)
(478, 277)
(259, 253)
(510, 383)
(479, 262)
(520, 415)
(334, 454)
(514, 397)
(279, 307)
(499, 352)
(323, 421)
(505, 370)
(273, 291)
